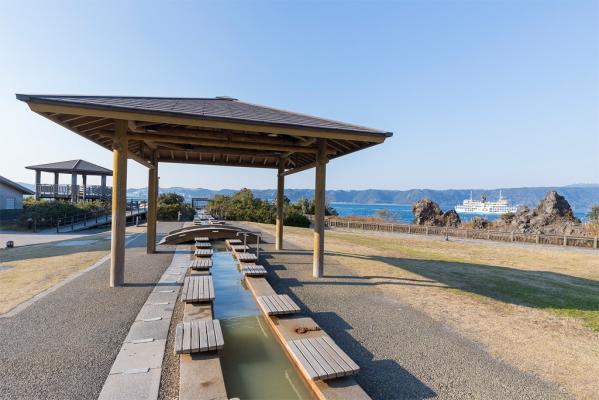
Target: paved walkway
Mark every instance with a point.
(402, 353)
(63, 346)
(28, 238)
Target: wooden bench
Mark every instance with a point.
(246, 257)
(231, 242)
(197, 288)
(198, 336)
(203, 245)
(250, 269)
(240, 248)
(203, 253)
(277, 304)
(201, 239)
(320, 358)
(201, 263)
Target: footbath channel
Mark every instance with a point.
(253, 362)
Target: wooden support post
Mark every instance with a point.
(119, 204)
(74, 191)
(103, 187)
(84, 183)
(319, 205)
(152, 205)
(56, 183)
(280, 205)
(38, 182)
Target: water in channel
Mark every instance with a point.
(253, 362)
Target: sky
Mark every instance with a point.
(479, 94)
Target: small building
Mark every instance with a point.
(11, 194)
(73, 192)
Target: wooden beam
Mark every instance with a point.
(319, 206)
(221, 143)
(119, 204)
(205, 123)
(300, 169)
(280, 205)
(152, 204)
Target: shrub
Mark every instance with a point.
(170, 205)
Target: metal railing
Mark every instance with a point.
(69, 223)
(466, 233)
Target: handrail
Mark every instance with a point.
(468, 233)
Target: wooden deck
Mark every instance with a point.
(250, 269)
(197, 288)
(203, 253)
(198, 336)
(320, 358)
(201, 263)
(246, 257)
(203, 245)
(278, 304)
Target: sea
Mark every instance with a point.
(402, 213)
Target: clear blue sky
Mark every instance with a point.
(479, 93)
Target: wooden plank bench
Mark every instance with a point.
(201, 263)
(240, 248)
(232, 242)
(203, 253)
(198, 336)
(246, 257)
(250, 269)
(203, 245)
(197, 288)
(320, 358)
(277, 304)
(201, 239)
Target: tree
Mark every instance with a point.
(171, 198)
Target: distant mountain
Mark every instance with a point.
(581, 196)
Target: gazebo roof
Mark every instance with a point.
(72, 167)
(220, 131)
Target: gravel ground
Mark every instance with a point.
(63, 346)
(402, 353)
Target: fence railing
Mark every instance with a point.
(501, 236)
(66, 191)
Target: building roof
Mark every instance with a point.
(15, 185)
(216, 131)
(71, 167)
(218, 108)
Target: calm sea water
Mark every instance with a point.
(401, 212)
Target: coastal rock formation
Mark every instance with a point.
(451, 218)
(427, 212)
(553, 215)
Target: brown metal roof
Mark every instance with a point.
(72, 166)
(219, 108)
(216, 131)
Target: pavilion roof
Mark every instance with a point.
(72, 166)
(220, 131)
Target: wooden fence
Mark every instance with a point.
(500, 236)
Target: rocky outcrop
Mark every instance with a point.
(479, 223)
(427, 212)
(552, 216)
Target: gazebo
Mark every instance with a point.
(74, 192)
(215, 131)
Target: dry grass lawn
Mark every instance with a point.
(33, 269)
(536, 308)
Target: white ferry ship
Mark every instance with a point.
(482, 206)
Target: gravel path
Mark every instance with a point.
(402, 353)
(63, 346)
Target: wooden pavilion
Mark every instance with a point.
(73, 192)
(215, 131)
